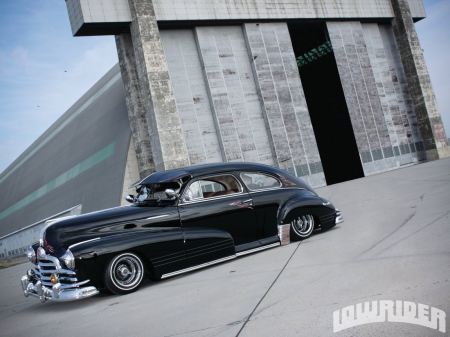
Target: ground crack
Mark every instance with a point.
(398, 228)
(262, 298)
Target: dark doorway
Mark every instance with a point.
(326, 102)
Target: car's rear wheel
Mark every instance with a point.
(124, 273)
(302, 227)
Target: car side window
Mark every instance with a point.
(212, 186)
(257, 181)
(194, 191)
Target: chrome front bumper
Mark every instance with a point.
(59, 292)
(339, 218)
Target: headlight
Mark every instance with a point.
(40, 252)
(68, 259)
(31, 255)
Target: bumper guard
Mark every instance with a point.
(59, 292)
(339, 217)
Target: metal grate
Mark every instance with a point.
(377, 154)
(419, 146)
(316, 167)
(388, 152)
(397, 151)
(404, 149)
(302, 170)
(366, 157)
(291, 170)
(413, 148)
(46, 268)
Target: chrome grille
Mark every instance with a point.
(46, 268)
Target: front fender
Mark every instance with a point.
(152, 245)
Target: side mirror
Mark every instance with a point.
(170, 193)
(129, 198)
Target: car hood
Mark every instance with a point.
(66, 232)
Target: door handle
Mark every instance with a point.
(249, 201)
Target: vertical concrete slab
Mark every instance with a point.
(283, 101)
(241, 129)
(425, 104)
(166, 136)
(294, 84)
(136, 112)
(191, 97)
(406, 106)
(362, 96)
(337, 41)
(393, 109)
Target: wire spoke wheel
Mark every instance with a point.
(303, 226)
(125, 273)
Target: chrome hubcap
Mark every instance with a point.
(303, 225)
(124, 271)
(127, 272)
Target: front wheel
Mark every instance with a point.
(302, 227)
(124, 274)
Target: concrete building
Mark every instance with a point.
(329, 90)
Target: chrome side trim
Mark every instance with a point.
(284, 233)
(157, 217)
(276, 188)
(226, 196)
(258, 249)
(80, 243)
(264, 189)
(198, 267)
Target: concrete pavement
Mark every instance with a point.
(393, 245)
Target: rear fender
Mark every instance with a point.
(299, 205)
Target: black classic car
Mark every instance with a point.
(179, 220)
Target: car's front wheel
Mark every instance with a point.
(124, 274)
(302, 227)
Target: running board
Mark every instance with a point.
(182, 271)
(245, 252)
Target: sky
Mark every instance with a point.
(44, 69)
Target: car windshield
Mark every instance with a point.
(155, 192)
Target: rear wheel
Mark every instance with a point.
(124, 274)
(302, 227)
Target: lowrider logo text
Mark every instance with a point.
(403, 312)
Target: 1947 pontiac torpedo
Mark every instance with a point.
(179, 220)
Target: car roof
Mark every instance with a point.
(198, 170)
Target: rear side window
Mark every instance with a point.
(212, 186)
(257, 181)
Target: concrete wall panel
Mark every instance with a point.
(283, 101)
(371, 125)
(233, 95)
(402, 92)
(191, 97)
(397, 105)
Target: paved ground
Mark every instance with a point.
(393, 245)
(6, 263)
